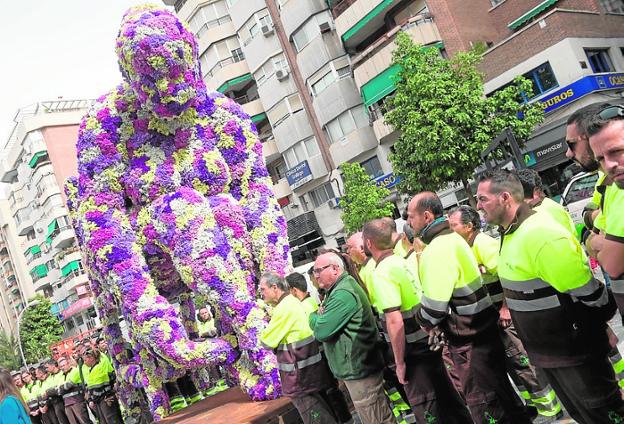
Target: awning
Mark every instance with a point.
(546, 146)
(40, 270)
(380, 86)
(33, 250)
(51, 227)
(73, 265)
(383, 5)
(259, 117)
(226, 85)
(531, 14)
(36, 157)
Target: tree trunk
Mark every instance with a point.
(471, 200)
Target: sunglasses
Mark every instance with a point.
(611, 113)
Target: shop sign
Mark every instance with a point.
(299, 175)
(580, 88)
(540, 155)
(387, 181)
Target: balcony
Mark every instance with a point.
(65, 258)
(358, 20)
(25, 225)
(269, 150)
(384, 132)
(62, 237)
(226, 70)
(377, 58)
(353, 145)
(74, 279)
(282, 189)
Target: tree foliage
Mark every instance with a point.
(363, 200)
(38, 330)
(9, 353)
(444, 119)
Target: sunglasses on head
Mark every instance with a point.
(612, 112)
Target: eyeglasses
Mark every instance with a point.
(612, 112)
(317, 271)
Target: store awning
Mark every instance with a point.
(73, 265)
(531, 14)
(51, 227)
(380, 86)
(33, 250)
(40, 270)
(380, 8)
(258, 118)
(226, 85)
(36, 157)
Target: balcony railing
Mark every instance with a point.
(239, 57)
(213, 24)
(338, 7)
(241, 100)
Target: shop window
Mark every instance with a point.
(372, 167)
(599, 60)
(543, 79)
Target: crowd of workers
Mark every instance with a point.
(445, 317)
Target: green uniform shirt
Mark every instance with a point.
(309, 305)
(366, 275)
(614, 213)
(289, 323)
(558, 213)
(394, 287)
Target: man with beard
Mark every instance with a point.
(560, 311)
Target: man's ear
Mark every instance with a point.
(505, 196)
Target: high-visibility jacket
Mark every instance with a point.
(613, 210)
(366, 275)
(557, 212)
(399, 249)
(597, 200)
(71, 389)
(396, 289)
(309, 305)
(453, 293)
(55, 382)
(300, 363)
(100, 378)
(30, 393)
(558, 308)
(207, 328)
(485, 249)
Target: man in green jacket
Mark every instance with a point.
(345, 324)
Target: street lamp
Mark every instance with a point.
(19, 338)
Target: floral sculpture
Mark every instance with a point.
(173, 199)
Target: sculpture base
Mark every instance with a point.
(232, 406)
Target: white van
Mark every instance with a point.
(576, 196)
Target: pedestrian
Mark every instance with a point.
(303, 372)
(532, 385)
(362, 259)
(100, 380)
(55, 400)
(560, 311)
(419, 369)
(535, 197)
(455, 303)
(13, 408)
(72, 393)
(206, 323)
(29, 394)
(299, 288)
(345, 324)
(48, 415)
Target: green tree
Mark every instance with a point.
(39, 329)
(444, 119)
(363, 200)
(9, 353)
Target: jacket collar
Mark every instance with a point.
(472, 237)
(524, 211)
(438, 227)
(384, 255)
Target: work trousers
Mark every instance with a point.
(36, 419)
(57, 408)
(431, 393)
(481, 369)
(337, 402)
(589, 392)
(107, 410)
(77, 413)
(313, 409)
(369, 399)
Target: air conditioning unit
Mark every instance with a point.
(281, 74)
(332, 203)
(324, 27)
(38, 228)
(267, 30)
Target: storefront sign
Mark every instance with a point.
(299, 175)
(580, 88)
(387, 181)
(77, 306)
(543, 153)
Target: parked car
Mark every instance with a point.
(576, 196)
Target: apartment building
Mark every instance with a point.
(39, 155)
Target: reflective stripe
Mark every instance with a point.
(70, 394)
(429, 318)
(527, 286)
(533, 305)
(476, 307)
(436, 305)
(300, 364)
(601, 301)
(585, 290)
(617, 286)
(497, 297)
(297, 344)
(468, 289)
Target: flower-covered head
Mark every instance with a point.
(158, 58)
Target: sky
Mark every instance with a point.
(57, 48)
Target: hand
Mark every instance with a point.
(320, 310)
(504, 317)
(436, 339)
(400, 372)
(594, 244)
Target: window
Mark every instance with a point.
(346, 123)
(495, 2)
(237, 55)
(322, 194)
(599, 60)
(310, 30)
(209, 16)
(269, 67)
(289, 105)
(613, 6)
(372, 167)
(254, 25)
(301, 151)
(581, 189)
(333, 71)
(542, 78)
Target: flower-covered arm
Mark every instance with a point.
(252, 186)
(112, 244)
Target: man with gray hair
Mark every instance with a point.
(303, 372)
(345, 324)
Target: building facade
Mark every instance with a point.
(39, 155)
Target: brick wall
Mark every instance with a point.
(559, 25)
